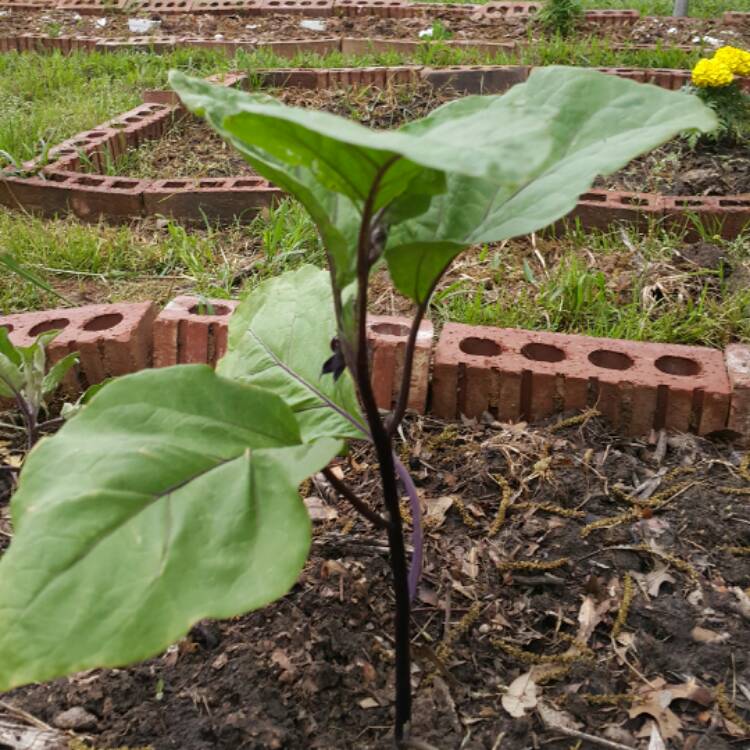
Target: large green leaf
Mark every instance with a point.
(279, 338)
(476, 170)
(594, 124)
(170, 498)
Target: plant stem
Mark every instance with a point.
(383, 448)
(345, 491)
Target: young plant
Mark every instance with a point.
(714, 80)
(25, 379)
(184, 480)
(560, 16)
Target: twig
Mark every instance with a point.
(594, 740)
(347, 493)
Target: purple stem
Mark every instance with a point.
(415, 569)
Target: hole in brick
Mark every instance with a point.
(480, 347)
(124, 184)
(597, 197)
(610, 360)
(212, 310)
(677, 366)
(634, 200)
(8, 327)
(175, 184)
(688, 202)
(729, 203)
(211, 183)
(94, 134)
(89, 181)
(246, 183)
(57, 177)
(543, 353)
(390, 329)
(49, 325)
(103, 322)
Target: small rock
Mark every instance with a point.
(313, 24)
(76, 718)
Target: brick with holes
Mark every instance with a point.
(192, 331)
(111, 339)
(387, 337)
(737, 357)
(531, 375)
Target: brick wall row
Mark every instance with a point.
(471, 371)
(381, 8)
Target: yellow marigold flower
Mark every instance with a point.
(737, 60)
(711, 73)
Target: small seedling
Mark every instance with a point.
(25, 379)
(165, 457)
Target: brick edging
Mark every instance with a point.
(511, 374)
(346, 8)
(61, 187)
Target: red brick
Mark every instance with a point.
(477, 79)
(387, 336)
(111, 339)
(379, 8)
(737, 357)
(161, 6)
(185, 335)
(143, 123)
(612, 17)
(243, 7)
(600, 209)
(727, 216)
(216, 199)
(736, 17)
(510, 10)
(530, 375)
(299, 7)
(90, 7)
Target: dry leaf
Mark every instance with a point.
(743, 603)
(436, 511)
(703, 635)
(552, 717)
(655, 741)
(470, 566)
(589, 616)
(368, 703)
(655, 702)
(653, 581)
(220, 662)
(319, 511)
(521, 695)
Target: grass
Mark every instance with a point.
(48, 98)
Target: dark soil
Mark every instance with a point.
(315, 669)
(664, 31)
(678, 169)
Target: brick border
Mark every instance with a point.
(346, 8)
(283, 48)
(60, 187)
(511, 374)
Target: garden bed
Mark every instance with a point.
(315, 669)
(192, 149)
(665, 32)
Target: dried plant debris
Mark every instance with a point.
(635, 634)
